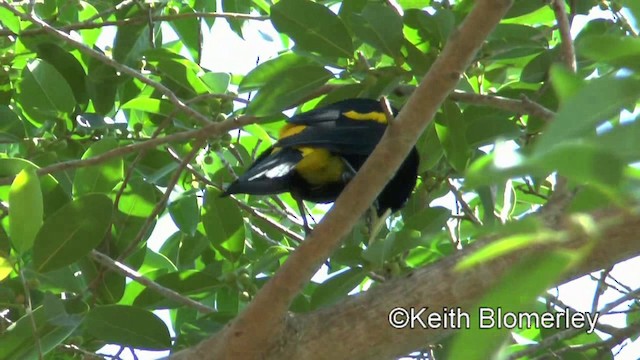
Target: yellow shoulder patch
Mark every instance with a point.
(290, 129)
(376, 116)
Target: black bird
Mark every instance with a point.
(319, 152)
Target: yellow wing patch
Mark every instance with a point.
(376, 116)
(291, 129)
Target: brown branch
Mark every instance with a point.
(522, 106)
(616, 338)
(211, 130)
(566, 43)
(362, 319)
(242, 338)
(465, 206)
(110, 62)
(122, 269)
(91, 24)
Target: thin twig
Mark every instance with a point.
(90, 24)
(150, 284)
(569, 333)
(600, 288)
(522, 106)
(29, 310)
(161, 204)
(566, 44)
(211, 130)
(465, 207)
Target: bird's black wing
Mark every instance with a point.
(268, 175)
(334, 114)
(341, 140)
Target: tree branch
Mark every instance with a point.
(211, 130)
(362, 318)
(568, 52)
(91, 24)
(120, 268)
(242, 338)
(163, 200)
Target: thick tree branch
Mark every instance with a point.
(242, 339)
(363, 318)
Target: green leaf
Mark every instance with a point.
(218, 83)
(150, 105)
(185, 213)
(313, 27)
(189, 33)
(538, 68)
(564, 82)
(594, 103)
(43, 93)
(26, 209)
(414, 4)
(633, 318)
(128, 326)
(53, 194)
(100, 178)
(622, 141)
(517, 291)
(102, 85)
(585, 162)
(6, 268)
(138, 199)
(268, 70)
(11, 128)
(522, 7)
(68, 66)
(337, 287)
(432, 28)
(283, 91)
(9, 20)
(452, 134)
(129, 44)
(428, 220)
(223, 223)
(429, 148)
(239, 7)
(178, 73)
(17, 341)
(381, 27)
(71, 232)
(618, 51)
(484, 125)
